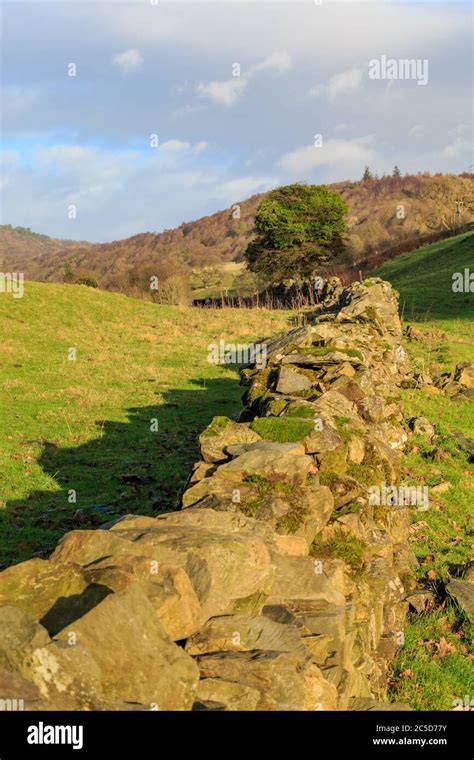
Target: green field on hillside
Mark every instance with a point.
(424, 279)
(436, 663)
(85, 425)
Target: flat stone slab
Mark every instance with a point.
(463, 593)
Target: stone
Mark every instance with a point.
(295, 546)
(464, 374)
(431, 390)
(326, 439)
(20, 635)
(420, 601)
(322, 359)
(153, 670)
(241, 633)
(222, 554)
(463, 593)
(208, 492)
(422, 378)
(469, 572)
(464, 443)
(344, 488)
(296, 448)
(223, 557)
(67, 676)
(283, 679)
(355, 450)
(84, 546)
(322, 647)
(442, 487)
(200, 471)
(290, 381)
(421, 426)
(349, 388)
(372, 408)
(334, 404)
(274, 462)
(231, 695)
(168, 589)
(223, 432)
(55, 594)
(368, 704)
(302, 579)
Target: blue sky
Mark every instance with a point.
(169, 69)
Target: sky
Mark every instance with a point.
(125, 117)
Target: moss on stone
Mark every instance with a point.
(292, 521)
(315, 351)
(250, 507)
(249, 605)
(264, 486)
(329, 479)
(281, 429)
(276, 406)
(310, 394)
(333, 461)
(349, 548)
(216, 426)
(365, 473)
(301, 409)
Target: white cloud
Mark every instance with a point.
(225, 93)
(350, 155)
(279, 61)
(129, 60)
(175, 145)
(66, 154)
(340, 84)
(234, 190)
(229, 91)
(460, 146)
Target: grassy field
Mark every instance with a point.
(436, 665)
(85, 425)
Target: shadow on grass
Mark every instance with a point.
(130, 468)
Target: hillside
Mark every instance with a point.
(424, 279)
(382, 212)
(22, 250)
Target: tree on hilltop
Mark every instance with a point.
(299, 228)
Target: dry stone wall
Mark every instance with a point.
(281, 584)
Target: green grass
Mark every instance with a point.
(83, 425)
(444, 540)
(425, 278)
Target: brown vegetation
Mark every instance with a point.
(376, 224)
